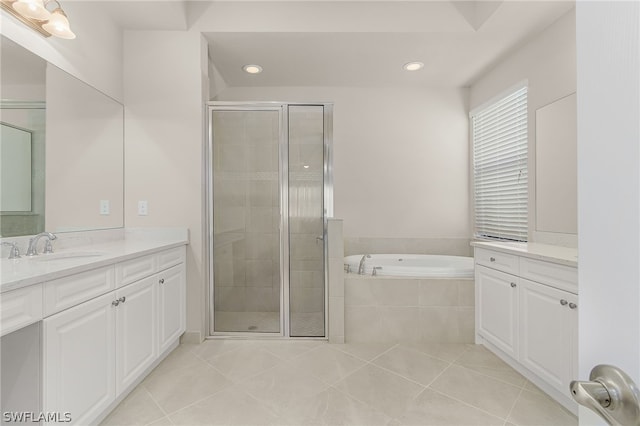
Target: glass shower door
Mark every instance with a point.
(306, 221)
(246, 220)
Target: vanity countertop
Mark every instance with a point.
(18, 273)
(545, 252)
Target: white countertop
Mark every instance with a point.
(555, 254)
(18, 273)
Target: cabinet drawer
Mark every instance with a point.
(552, 274)
(497, 260)
(66, 292)
(19, 308)
(169, 258)
(135, 269)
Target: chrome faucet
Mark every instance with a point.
(14, 253)
(33, 243)
(361, 266)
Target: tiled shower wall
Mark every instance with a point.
(246, 212)
(306, 225)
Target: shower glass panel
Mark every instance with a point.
(246, 220)
(306, 221)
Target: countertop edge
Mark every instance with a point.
(90, 263)
(522, 249)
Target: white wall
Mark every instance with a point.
(94, 57)
(400, 157)
(548, 62)
(164, 100)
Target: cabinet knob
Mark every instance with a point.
(115, 302)
(513, 285)
(492, 259)
(572, 305)
(563, 302)
(161, 281)
(122, 299)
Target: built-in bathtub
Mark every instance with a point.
(410, 299)
(410, 265)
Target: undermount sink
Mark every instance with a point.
(66, 256)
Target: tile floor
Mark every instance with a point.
(260, 382)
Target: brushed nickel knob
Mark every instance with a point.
(122, 299)
(513, 285)
(493, 259)
(572, 305)
(161, 281)
(563, 302)
(115, 302)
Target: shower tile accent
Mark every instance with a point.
(408, 310)
(444, 246)
(335, 250)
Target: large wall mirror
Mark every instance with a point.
(61, 149)
(556, 167)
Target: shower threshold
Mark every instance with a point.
(303, 324)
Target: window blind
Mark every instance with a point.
(499, 134)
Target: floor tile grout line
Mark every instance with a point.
(154, 400)
(343, 392)
(198, 401)
(356, 356)
(513, 405)
(490, 376)
(466, 403)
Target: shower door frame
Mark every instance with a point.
(283, 185)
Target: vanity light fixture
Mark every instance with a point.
(44, 16)
(252, 69)
(413, 66)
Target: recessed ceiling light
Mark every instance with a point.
(252, 69)
(413, 66)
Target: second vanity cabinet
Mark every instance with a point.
(527, 309)
(95, 351)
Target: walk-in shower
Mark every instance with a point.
(269, 194)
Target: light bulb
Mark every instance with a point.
(58, 25)
(33, 9)
(252, 69)
(413, 66)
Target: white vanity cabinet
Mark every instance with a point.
(99, 349)
(548, 333)
(526, 312)
(171, 304)
(136, 330)
(497, 308)
(79, 360)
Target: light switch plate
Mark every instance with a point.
(105, 209)
(143, 208)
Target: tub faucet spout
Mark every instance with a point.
(361, 266)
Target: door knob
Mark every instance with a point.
(611, 393)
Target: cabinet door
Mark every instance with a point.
(136, 333)
(171, 296)
(79, 363)
(548, 333)
(496, 308)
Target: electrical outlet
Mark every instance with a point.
(143, 208)
(105, 209)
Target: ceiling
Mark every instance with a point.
(353, 43)
(457, 41)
